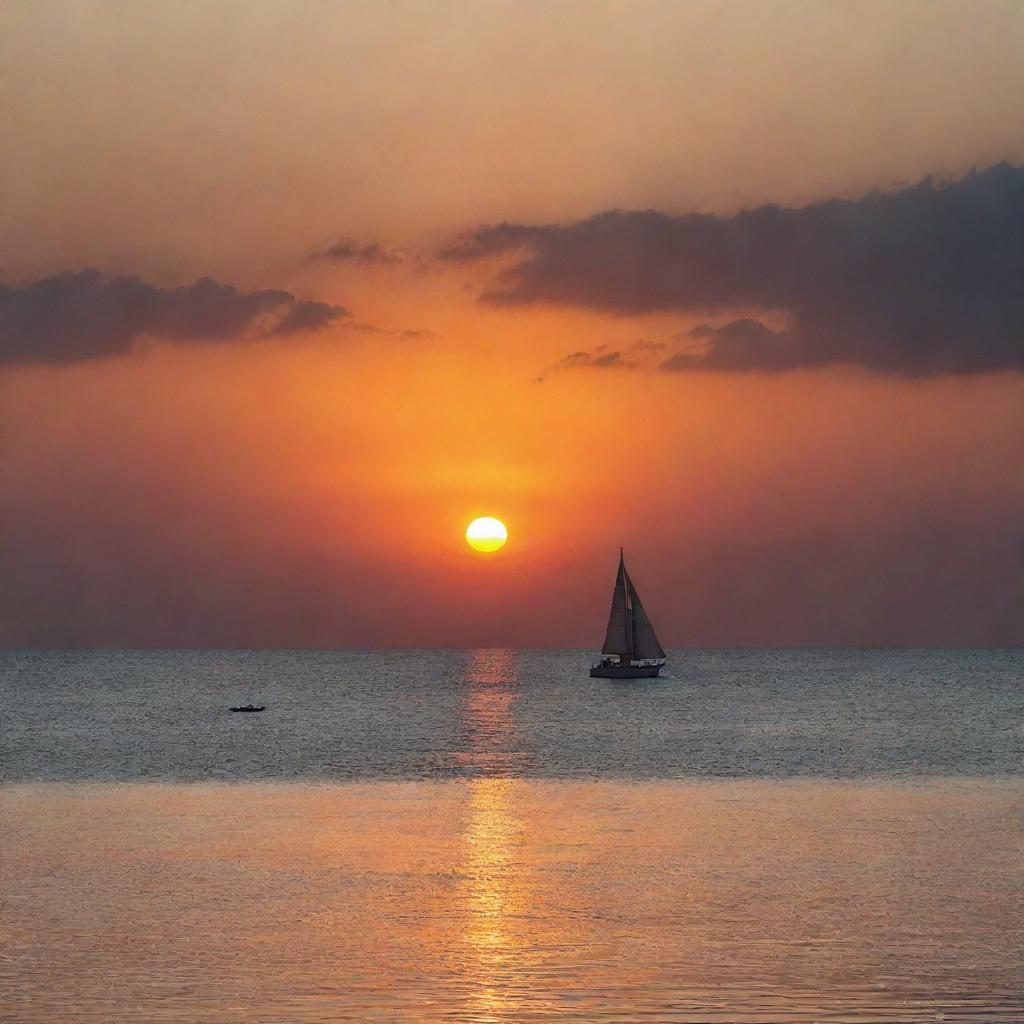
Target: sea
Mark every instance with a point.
(491, 836)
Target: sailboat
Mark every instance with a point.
(631, 650)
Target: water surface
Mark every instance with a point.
(493, 837)
(437, 714)
(513, 900)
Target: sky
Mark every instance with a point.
(289, 293)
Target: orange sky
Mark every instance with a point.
(313, 489)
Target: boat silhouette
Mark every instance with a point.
(631, 649)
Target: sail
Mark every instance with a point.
(645, 643)
(618, 639)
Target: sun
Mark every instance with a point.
(486, 534)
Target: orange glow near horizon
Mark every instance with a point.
(736, 482)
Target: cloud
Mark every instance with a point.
(496, 239)
(83, 314)
(401, 333)
(360, 252)
(600, 358)
(641, 351)
(633, 357)
(306, 316)
(925, 280)
(362, 327)
(745, 344)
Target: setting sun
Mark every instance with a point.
(486, 534)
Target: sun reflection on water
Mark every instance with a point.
(495, 896)
(496, 873)
(489, 743)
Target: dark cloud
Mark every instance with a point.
(929, 279)
(307, 316)
(740, 345)
(84, 314)
(356, 252)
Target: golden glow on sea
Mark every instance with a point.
(486, 534)
(499, 900)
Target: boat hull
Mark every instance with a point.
(624, 671)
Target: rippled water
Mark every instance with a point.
(438, 714)
(796, 836)
(510, 900)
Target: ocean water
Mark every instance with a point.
(131, 715)
(761, 837)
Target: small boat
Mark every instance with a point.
(250, 707)
(631, 650)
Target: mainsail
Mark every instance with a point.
(618, 639)
(630, 634)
